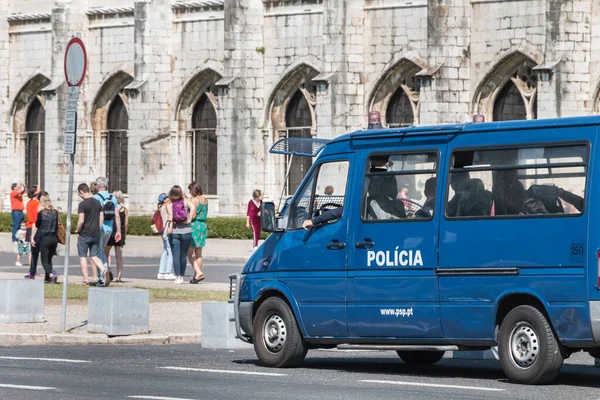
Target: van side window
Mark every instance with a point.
(518, 181)
(400, 187)
(326, 192)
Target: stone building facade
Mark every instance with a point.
(177, 91)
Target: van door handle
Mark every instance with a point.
(335, 245)
(365, 245)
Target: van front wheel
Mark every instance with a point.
(420, 357)
(277, 339)
(528, 350)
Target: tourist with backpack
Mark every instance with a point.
(118, 244)
(181, 212)
(112, 221)
(159, 227)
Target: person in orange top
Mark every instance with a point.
(16, 206)
(32, 212)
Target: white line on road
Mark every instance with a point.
(157, 398)
(221, 371)
(44, 359)
(26, 387)
(434, 385)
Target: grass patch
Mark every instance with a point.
(77, 292)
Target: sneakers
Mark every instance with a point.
(178, 280)
(107, 278)
(100, 283)
(170, 277)
(29, 276)
(18, 264)
(161, 276)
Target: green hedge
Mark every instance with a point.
(224, 228)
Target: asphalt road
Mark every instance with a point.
(190, 372)
(140, 268)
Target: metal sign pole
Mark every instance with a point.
(75, 67)
(63, 319)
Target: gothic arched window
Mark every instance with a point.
(298, 121)
(35, 126)
(399, 111)
(518, 98)
(116, 141)
(204, 145)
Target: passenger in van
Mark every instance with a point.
(475, 200)
(427, 210)
(329, 215)
(329, 190)
(458, 182)
(508, 196)
(545, 199)
(576, 201)
(542, 199)
(381, 199)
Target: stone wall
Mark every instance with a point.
(251, 57)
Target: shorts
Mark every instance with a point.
(24, 249)
(85, 243)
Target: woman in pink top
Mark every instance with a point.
(253, 217)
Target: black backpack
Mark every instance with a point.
(108, 208)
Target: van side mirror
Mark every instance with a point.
(268, 218)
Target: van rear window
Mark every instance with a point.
(400, 187)
(519, 181)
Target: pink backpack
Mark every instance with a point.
(180, 213)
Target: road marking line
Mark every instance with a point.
(44, 359)
(26, 387)
(221, 371)
(157, 398)
(434, 385)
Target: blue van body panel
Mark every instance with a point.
(470, 265)
(258, 286)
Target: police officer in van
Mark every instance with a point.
(329, 215)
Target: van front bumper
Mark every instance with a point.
(242, 311)
(245, 312)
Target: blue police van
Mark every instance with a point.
(455, 237)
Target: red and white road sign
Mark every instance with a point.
(75, 62)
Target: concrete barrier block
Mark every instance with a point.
(118, 311)
(218, 329)
(21, 300)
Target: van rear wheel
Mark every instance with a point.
(420, 357)
(527, 347)
(277, 339)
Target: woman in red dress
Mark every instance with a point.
(253, 217)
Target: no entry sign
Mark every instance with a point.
(75, 62)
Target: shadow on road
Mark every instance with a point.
(570, 374)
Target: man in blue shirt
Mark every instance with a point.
(111, 222)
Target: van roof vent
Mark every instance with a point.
(307, 147)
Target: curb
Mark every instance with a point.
(220, 258)
(68, 339)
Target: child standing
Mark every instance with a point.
(23, 246)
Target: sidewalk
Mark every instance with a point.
(171, 322)
(151, 247)
(166, 327)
